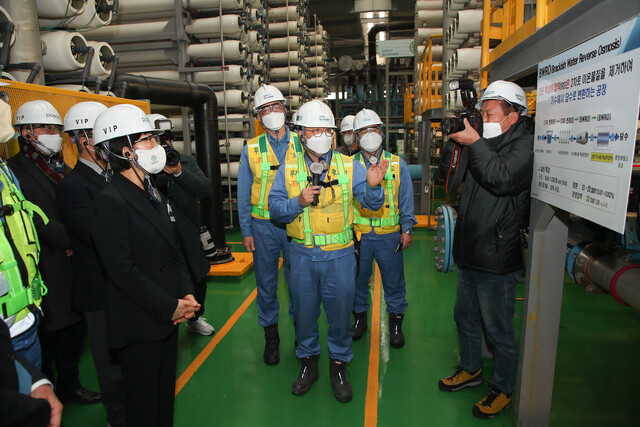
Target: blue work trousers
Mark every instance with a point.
(269, 240)
(488, 299)
(329, 282)
(382, 249)
(27, 344)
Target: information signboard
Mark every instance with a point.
(586, 119)
(398, 48)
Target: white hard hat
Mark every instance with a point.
(154, 117)
(366, 118)
(121, 120)
(315, 114)
(265, 95)
(505, 91)
(37, 112)
(347, 123)
(82, 115)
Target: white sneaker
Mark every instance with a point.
(201, 327)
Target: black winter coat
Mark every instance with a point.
(75, 196)
(495, 201)
(146, 276)
(55, 266)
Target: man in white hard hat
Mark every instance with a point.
(39, 167)
(349, 145)
(493, 211)
(182, 182)
(313, 194)
(75, 194)
(149, 291)
(261, 235)
(384, 233)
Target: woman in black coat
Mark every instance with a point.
(148, 289)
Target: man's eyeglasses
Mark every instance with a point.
(368, 129)
(150, 138)
(275, 108)
(319, 131)
(56, 128)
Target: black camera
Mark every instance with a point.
(173, 157)
(469, 97)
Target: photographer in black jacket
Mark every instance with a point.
(183, 183)
(493, 211)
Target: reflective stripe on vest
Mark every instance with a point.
(391, 218)
(18, 239)
(299, 181)
(260, 208)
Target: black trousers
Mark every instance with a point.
(200, 293)
(62, 348)
(149, 372)
(108, 370)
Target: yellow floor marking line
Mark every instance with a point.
(371, 402)
(198, 361)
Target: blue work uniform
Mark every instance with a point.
(382, 248)
(269, 237)
(321, 276)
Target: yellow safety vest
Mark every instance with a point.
(264, 165)
(19, 250)
(385, 220)
(327, 225)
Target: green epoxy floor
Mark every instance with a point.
(596, 377)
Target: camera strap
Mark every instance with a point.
(456, 168)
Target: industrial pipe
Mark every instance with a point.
(203, 101)
(603, 266)
(391, 26)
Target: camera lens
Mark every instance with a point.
(173, 157)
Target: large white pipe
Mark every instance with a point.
(4, 16)
(283, 13)
(436, 55)
(251, 39)
(102, 62)
(317, 92)
(291, 86)
(235, 146)
(318, 49)
(423, 34)
(58, 9)
(234, 124)
(315, 81)
(140, 57)
(429, 4)
(59, 46)
(233, 76)
(230, 171)
(468, 21)
(232, 50)
(283, 43)
(428, 18)
(293, 101)
(138, 29)
(234, 98)
(280, 28)
(134, 7)
(315, 60)
(285, 72)
(88, 18)
(467, 59)
(255, 83)
(159, 74)
(210, 27)
(27, 46)
(284, 58)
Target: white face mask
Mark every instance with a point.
(348, 139)
(370, 141)
(320, 144)
(52, 143)
(152, 161)
(273, 121)
(491, 130)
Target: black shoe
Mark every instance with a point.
(308, 374)
(359, 325)
(341, 386)
(83, 396)
(271, 354)
(396, 337)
